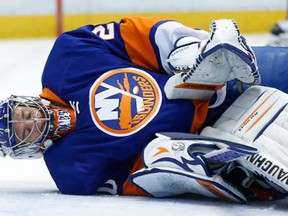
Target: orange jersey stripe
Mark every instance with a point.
(129, 188)
(51, 96)
(201, 111)
(135, 33)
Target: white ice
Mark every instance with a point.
(27, 189)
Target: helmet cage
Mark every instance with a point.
(11, 142)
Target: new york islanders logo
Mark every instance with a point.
(123, 101)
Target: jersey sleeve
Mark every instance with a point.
(149, 41)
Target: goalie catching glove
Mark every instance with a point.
(179, 163)
(259, 117)
(203, 67)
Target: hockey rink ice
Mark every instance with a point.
(27, 189)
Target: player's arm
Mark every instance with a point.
(200, 63)
(203, 67)
(149, 41)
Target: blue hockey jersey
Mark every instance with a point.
(113, 75)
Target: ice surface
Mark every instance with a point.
(27, 189)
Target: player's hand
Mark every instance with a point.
(179, 163)
(204, 67)
(226, 55)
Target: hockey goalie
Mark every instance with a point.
(108, 88)
(243, 155)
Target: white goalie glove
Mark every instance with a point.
(259, 118)
(180, 163)
(203, 67)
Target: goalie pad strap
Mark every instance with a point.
(262, 164)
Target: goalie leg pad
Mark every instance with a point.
(259, 117)
(167, 182)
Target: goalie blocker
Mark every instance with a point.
(177, 163)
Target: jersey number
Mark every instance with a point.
(106, 32)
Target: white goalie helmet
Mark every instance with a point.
(17, 111)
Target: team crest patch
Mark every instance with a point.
(123, 101)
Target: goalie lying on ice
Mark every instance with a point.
(108, 88)
(243, 155)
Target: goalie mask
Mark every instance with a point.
(29, 124)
